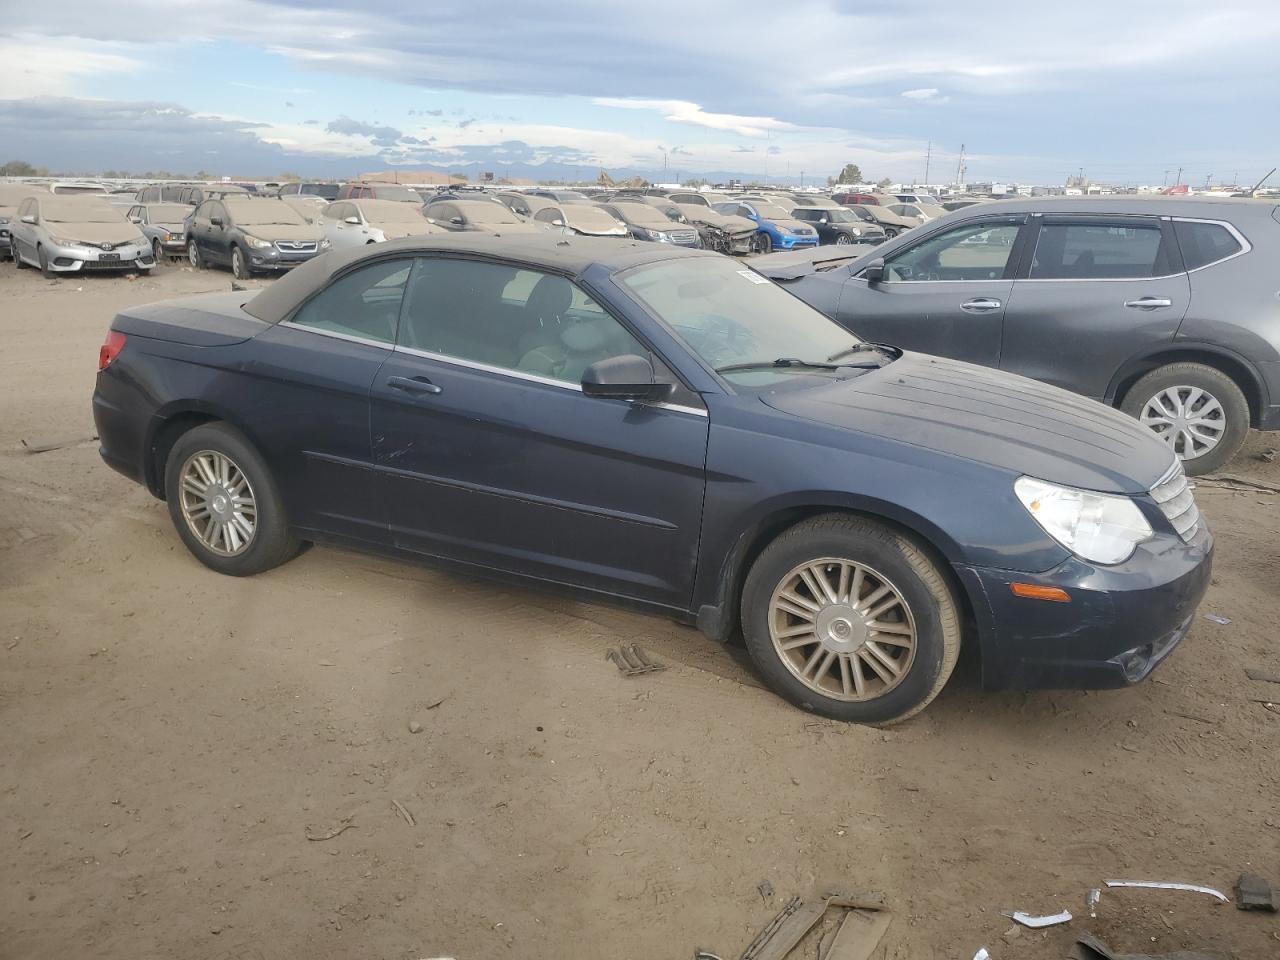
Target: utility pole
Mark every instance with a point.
(960, 167)
(801, 179)
(1179, 180)
(927, 157)
(1165, 182)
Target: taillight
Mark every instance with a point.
(110, 348)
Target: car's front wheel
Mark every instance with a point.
(847, 618)
(193, 255)
(157, 251)
(843, 239)
(1197, 410)
(239, 266)
(46, 271)
(890, 233)
(224, 502)
(764, 243)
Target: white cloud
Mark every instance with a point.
(38, 68)
(682, 111)
(922, 93)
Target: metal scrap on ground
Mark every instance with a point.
(861, 929)
(1089, 947)
(1165, 885)
(1036, 922)
(632, 661)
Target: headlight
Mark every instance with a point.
(59, 242)
(1094, 526)
(257, 244)
(325, 244)
(660, 236)
(4, 221)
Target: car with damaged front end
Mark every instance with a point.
(664, 428)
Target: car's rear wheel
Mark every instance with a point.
(239, 266)
(847, 618)
(45, 270)
(157, 251)
(224, 502)
(193, 255)
(890, 233)
(1197, 410)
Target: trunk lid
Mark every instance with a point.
(204, 320)
(990, 417)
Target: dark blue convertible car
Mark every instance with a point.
(666, 428)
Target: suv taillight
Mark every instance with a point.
(110, 348)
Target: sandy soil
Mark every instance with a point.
(168, 737)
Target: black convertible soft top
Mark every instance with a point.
(553, 252)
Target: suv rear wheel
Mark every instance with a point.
(1197, 410)
(847, 618)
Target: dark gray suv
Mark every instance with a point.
(1167, 308)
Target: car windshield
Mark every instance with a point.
(479, 211)
(329, 191)
(839, 215)
(861, 213)
(263, 213)
(769, 211)
(398, 194)
(589, 217)
(730, 315)
(78, 209)
(391, 211)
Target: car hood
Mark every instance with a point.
(123, 232)
(394, 231)
(284, 231)
(786, 223)
(794, 264)
(732, 225)
(990, 417)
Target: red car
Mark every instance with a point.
(378, 191)
(844, 199)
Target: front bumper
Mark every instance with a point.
(1121, 622)
(792, 241)
(274, 258)
(76, 259)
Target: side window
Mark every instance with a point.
(335, 211)
(218, 210)
(364, 303)
(1098, 251)
(1204, 243)
(444, 213)
(975, 251)
(502, 316)
(548, 215)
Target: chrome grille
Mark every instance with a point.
(682, 236)
(296, 246)
(1174, 497)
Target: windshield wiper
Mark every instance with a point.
(862, 347)
(793, 362)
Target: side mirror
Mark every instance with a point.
(29, 218)
(557, 223)
(456, 221)
(823, 220)
(354, 221)
(628, 377)
(215, 221)
(873, 272)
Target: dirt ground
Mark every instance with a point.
(168, 738)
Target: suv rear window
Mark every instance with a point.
(1204, 243)
(1095, 251)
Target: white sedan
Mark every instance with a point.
(353, 223)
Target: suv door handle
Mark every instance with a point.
(1149, 303)
(981, 305)
(413, 385)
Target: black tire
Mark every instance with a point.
(18, 263)
(239, 265)
(1216, 384)
(272, 542)
(764, 243)
(194, 256)
(157, 251)
(843, 239)
(45, 271)
(890, 233)
(895, 559)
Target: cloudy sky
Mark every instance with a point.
(1129, 91)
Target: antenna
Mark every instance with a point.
(927, 157)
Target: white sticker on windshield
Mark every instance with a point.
(753, 276)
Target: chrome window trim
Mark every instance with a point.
(529, 377)
(1245, 245)
(349, 337)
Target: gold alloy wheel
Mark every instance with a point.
(843, 629)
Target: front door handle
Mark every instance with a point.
(413, 385)
(981, 305)
(1149, 303)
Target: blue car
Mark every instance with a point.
(776, 229)
(665, 428)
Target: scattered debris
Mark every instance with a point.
(415, 726)
(1165, 885)
(982, 954)
(1253, 893)
(1034, 922)
(1091, 901)
(632, 661)
(56, 445)
(765, 889)
(1240, 483)
(346, 823)
(700, 954)
(861, 929)
(1262, 675)
(1269, 456)
(1217, 618)
(1089, 947)
(432, 706)
(326, 663)
(400, 808)
(763, 937)
(859, 934)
